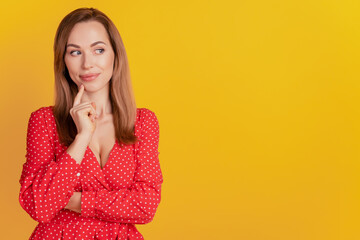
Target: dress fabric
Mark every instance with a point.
(125, 192)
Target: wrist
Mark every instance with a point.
(83, 138)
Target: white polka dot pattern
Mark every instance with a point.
(126, 191)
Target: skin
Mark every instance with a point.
(96, 59)
(89, 51)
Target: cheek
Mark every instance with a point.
(109, 62)
(69, 64)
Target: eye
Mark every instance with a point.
(72, 53)
(100, 50)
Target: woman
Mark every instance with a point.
(92, 169)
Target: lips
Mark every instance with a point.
(89, 77)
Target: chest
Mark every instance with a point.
(103, 142)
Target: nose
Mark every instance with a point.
(88, 61)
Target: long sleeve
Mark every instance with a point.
(46, 183)
(137, 204)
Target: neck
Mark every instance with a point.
(102, 101)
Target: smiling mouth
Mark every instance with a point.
(89, 77)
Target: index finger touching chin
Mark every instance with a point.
(78, 96)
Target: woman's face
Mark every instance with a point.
(89, 56)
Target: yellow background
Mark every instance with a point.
(258, 105)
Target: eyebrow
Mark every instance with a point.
(77, 46)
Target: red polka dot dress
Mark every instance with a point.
(125, 192)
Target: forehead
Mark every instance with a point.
(85, 33)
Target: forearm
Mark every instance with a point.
(136, 204)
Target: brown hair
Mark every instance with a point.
(121, 92)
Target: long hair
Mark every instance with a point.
(121, 91)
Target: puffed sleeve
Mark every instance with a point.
(137, 204)
(46, 183)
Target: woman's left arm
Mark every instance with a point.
(138, 204)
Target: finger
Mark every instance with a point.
(87, 106)
(94, 105)
(86, 110)
(79, 106)
(78, 96)
(88, 113)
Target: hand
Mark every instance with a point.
(84, 115)
(74, 203)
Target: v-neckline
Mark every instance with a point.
(107, 161)
(88, 148)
